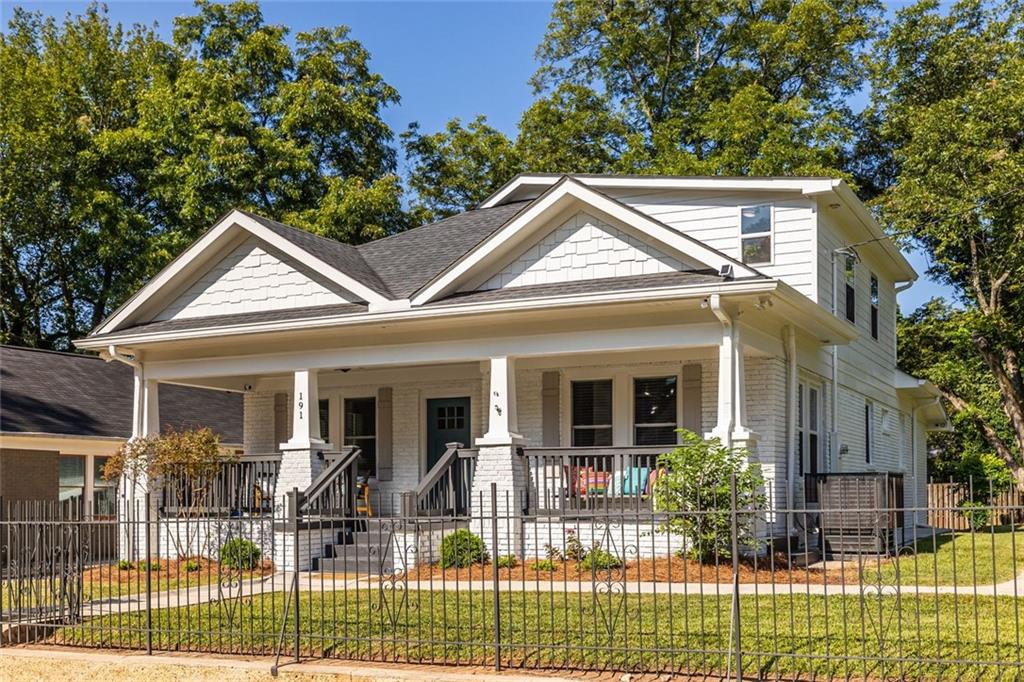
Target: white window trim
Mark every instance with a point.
(804, 432)
(770, 233)
(623, 422)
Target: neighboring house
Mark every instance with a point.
(567, 317)
(63, 414)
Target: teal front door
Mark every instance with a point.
(447, 422)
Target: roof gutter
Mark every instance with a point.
(112, 353)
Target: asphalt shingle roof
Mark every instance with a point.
(81, 395)
(409, 260)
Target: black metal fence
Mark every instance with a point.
(713, 590)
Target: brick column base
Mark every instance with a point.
(500, 465)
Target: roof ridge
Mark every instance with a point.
(73, 354)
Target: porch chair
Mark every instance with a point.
(363, 505)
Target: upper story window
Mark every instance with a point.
(654, 411)
(851, 290)
(874, 307)
(756, 234)
(591, 413)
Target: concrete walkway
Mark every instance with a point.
(322, 583)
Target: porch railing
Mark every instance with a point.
(447, 487)
(589, 480)
(334, 490)
(243, 487)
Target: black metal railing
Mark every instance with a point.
(242, 486)
(446, 488)
(719, 591)
(584, 480)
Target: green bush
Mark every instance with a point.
(553, 553)
(573, 547)
(600, 560)
(148, 565)
(508, 561)
(462, 548)
(240, 553)
(983, 476)
(695, 487)
(191, 565)
(544, 565)
(976, 513)
(124, 565)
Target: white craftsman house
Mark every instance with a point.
(551, 342)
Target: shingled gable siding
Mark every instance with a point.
(582, 248)
(253, 278)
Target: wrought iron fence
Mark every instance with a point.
(712, 590)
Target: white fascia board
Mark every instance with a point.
(674, 336)
(570, 188)
(903, 271)
(182, 264)
(735, 288)
(767, 184)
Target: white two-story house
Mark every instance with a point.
(560, 333)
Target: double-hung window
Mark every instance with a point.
(654, 411)
(874, 307)
(869, 430)
(850, 275)
(592, 413)
(361, 429)
(756, 234)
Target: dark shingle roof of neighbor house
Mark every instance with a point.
(81, 395)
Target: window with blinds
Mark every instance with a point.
(654, 411)
(361, 429)
(592, 413)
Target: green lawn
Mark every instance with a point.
(785, 635)
(985, 557)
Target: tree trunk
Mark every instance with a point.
(1009, 389)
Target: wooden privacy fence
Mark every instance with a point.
(944, 500)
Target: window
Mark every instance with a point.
(756, 234)
(851, 291)
(869, 430)
(808, 419)
(874, 307)
(591, 413)
(654, 411)
(361, 430)
(801, 433)
(324, 409)
(104, 492)
(71, 475)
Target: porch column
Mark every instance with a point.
(499, 463)
(731, 426)
(145, 423)
(300, 454)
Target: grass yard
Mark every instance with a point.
(985, 557)
(859, 636)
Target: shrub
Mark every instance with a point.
(508, 561)
(544, 565)
(694, 485)
(191, 565)
(598, 559)
(553, 553)
(124, 565)
(976, 513)
(462, 548)
(990, 475)
(573, 547)
(240, 553)
(148, 565)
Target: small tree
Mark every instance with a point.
(981, 478)
(693, 485)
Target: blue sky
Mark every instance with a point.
(446, 59)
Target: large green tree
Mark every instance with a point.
(949, 99)
(117, 149)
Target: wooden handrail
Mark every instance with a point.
(330, 474)
(599, 451)
(445, 466)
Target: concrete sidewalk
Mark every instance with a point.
(66, 665)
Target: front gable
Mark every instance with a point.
(583, 248)
(253, 277)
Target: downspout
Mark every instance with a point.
(789, 346)
(913, 446)
(112, 353)
(833, 421)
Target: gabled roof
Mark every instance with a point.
(408, 260)
(68, 394)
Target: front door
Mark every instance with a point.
(447, 422)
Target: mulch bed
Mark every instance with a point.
(165, 570)
(660, 570)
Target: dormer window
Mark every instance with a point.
(756, 234)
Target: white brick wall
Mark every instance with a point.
(253, 278)
(625, 539)
(583, 248)
(258, 436)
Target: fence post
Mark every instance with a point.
(149, 574)
(293, 522)
(734, 507)
(494, 576)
